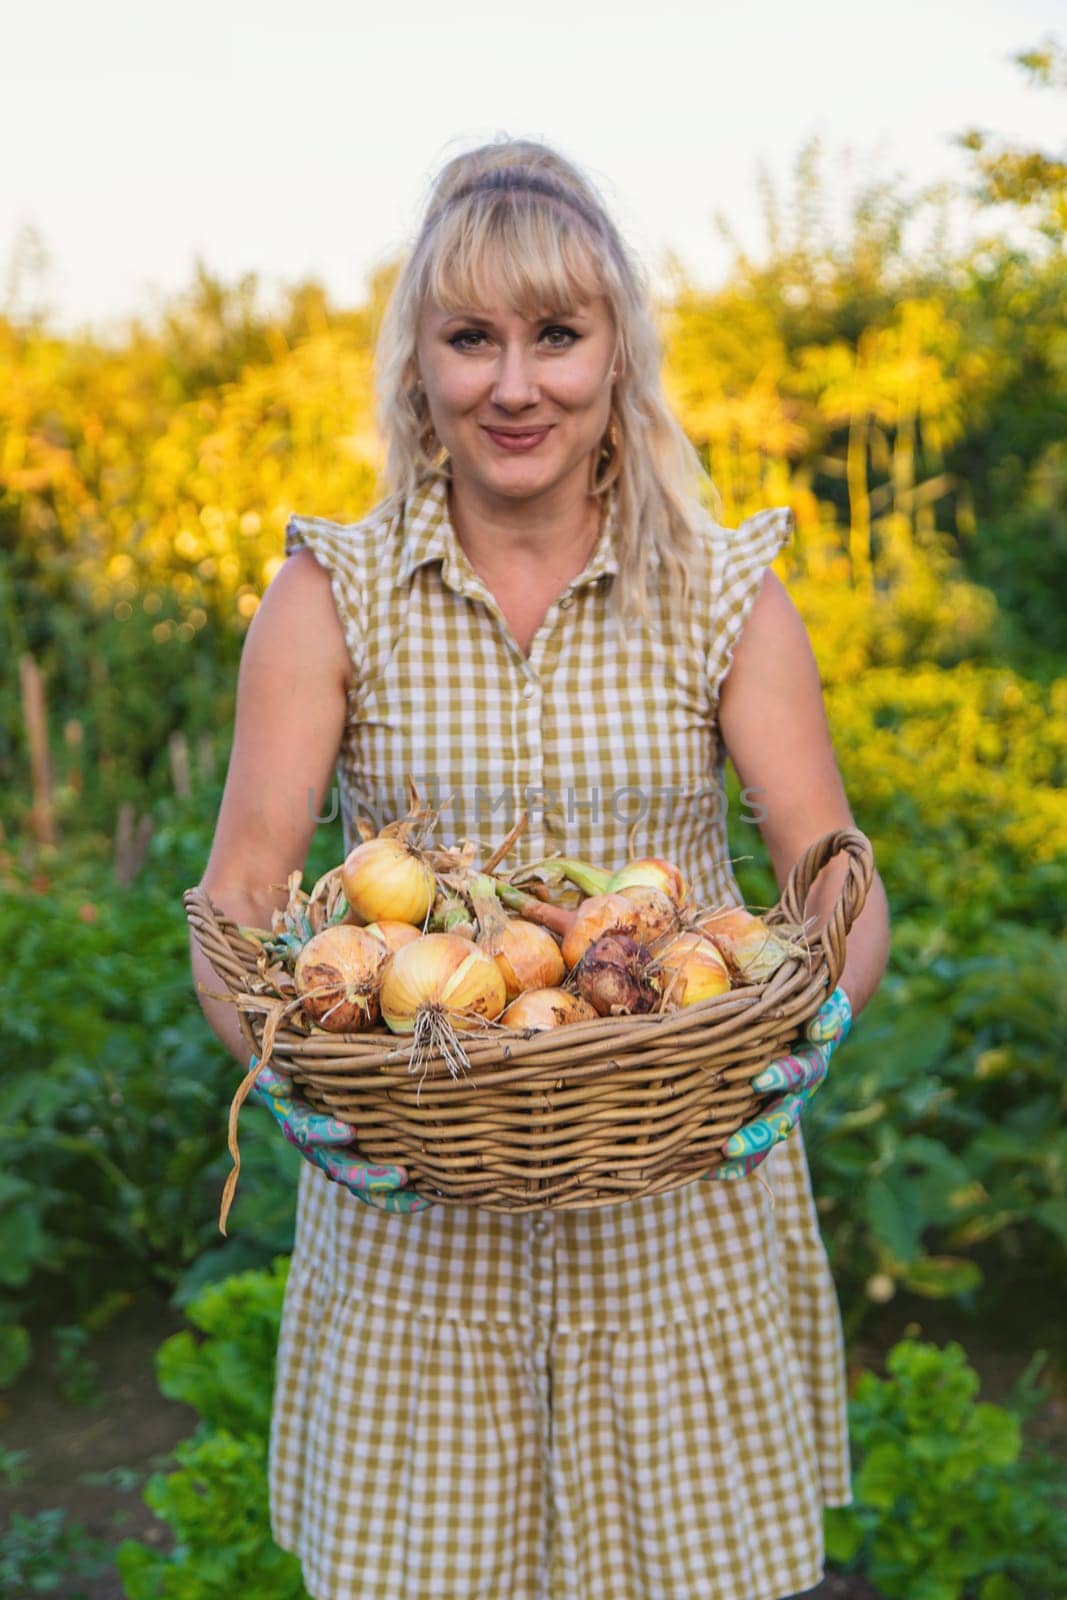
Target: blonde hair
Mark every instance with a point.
(517, 214)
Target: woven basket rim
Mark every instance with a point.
(380, 1047)
(606, 1069)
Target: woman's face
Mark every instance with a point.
(492, 377)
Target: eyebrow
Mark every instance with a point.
(487, 322)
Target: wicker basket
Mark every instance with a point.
(581, 1116)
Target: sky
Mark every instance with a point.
(299, 140)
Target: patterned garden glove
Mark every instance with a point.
(319, 1139)
(799, 1075)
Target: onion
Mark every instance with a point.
(445, 973)
(752, 949)
(451, 914)
(654, 873)
(547, 1008)
(394, 935)
(617, 976)
(527, 955)
(386, 879)
(692, 970)
(658, 913)
(337, 975)
(599, 914)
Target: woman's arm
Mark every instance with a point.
(291, 692)
(773, 726)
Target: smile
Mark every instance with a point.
(518, 441)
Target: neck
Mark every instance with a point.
(555, 532)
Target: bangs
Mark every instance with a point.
(538, 258)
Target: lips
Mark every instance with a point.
(526, 439)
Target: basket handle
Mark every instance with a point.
(216, 934)
(851, 897)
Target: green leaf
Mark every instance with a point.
(928, 1586)
(941, 1277)
(15, 1352)
(1052, 1214)
(843, 1533)
(895, 1214)
(999, 1434)
(878, 1482)
(998, 1587)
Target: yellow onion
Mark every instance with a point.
(691, 970)
(394, 935)
(337, 974)
(654, 873)
(386, 879)
(527, 955)
(445, 973)
(752, 949)
(658, 913)
(547, 1008)
(601, 913)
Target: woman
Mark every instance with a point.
(640, 1402)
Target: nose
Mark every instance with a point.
(515, 383)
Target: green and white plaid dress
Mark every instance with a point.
(640, 1402)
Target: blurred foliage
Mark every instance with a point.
(948, 1505)
(112, 1113)
(215, 1502)
(46, 1554)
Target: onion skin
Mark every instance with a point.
(541, 1009)
(601, 913)
(394, 935)
(752, 950)
(657, 911)
(654, 873)
(384, 879)
(527, 955)
(343, 966)
(446, 972)
(617, 976)
(691, 970)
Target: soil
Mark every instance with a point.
(134, 1428)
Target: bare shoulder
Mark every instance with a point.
(289, 722)
(773, 654)
(773, 725)
(297, 618)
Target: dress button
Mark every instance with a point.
(541, 1223)
(566, 602)
(528, 691)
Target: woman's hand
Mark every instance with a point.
(799, 1075)
(321, 1140)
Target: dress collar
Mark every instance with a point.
(430, 536)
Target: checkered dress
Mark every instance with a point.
(640, 1402)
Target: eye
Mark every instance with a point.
(457, 341)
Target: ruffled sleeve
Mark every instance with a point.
(337, 550)
(741, 556)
